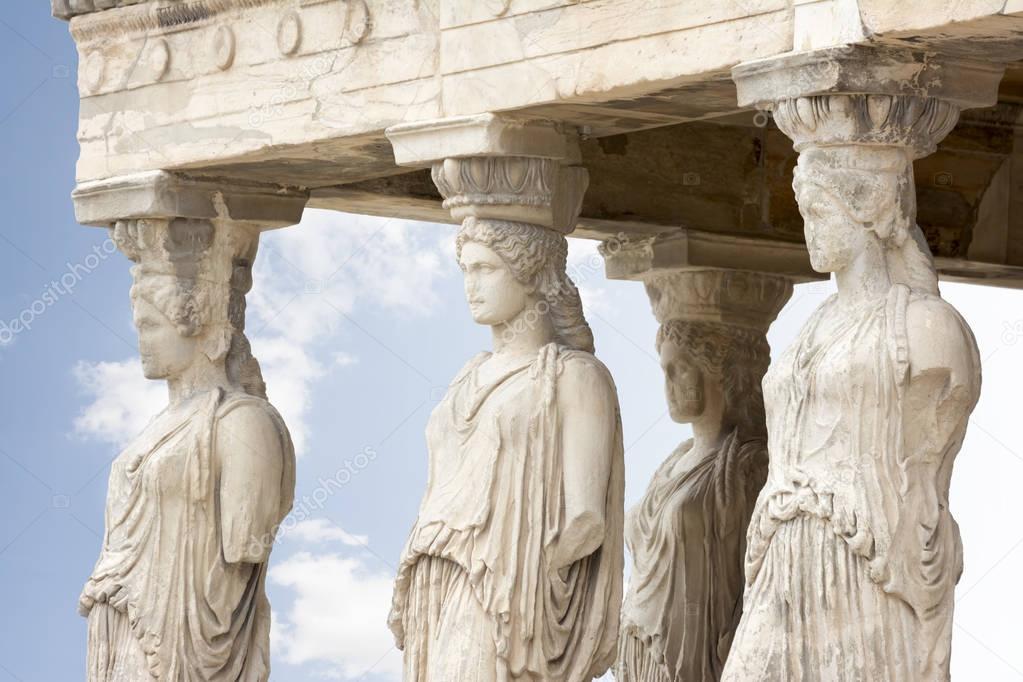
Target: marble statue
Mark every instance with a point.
(687, 535)
(195, 499)
(852, 553)
(513, 569)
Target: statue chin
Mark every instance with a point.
(683, 415)
(152, 370)
(685, 411)
(486, 319)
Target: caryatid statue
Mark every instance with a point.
(194, 501)
(687, 535)
(853, 554)
(513, 570)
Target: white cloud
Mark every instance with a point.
(338, 617)
(308, 278)
(342, 359)
(122, 400)
(321, 530)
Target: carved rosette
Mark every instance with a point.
(523, 189)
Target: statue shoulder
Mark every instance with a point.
(582, 363)
(583, 370)
(938, 337)
(252, 423)
(934, 325)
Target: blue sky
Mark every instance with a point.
(359, 323)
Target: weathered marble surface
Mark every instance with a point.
(513, 569)
(853, 554)
(301, 92)
(687, 535)
(194, 501)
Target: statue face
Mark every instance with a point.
(493, 293)
(683, 383)
(833, 237)
(164, 350)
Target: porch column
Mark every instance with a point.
(687, 534)
(514, 566)
(853, 553)
(194, 501)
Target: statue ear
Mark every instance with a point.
(216, 343)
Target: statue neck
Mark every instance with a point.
(525, 334)
(865, 279)
(202, 376)
(711, 427)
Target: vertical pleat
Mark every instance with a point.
(114, 654)
(454, 636)
(813, 614)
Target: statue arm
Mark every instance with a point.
(944, 380)
(251, 458)
(588, 407)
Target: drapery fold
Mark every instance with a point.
(494, 507)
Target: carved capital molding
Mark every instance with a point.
(734, 297)
(867, 95)
(499, 167)
(419, 145)
(867, 69)
(162, 194)
(645, 257)
(66, 9)
(916, 123)
(518, 188)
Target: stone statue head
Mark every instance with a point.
(188, 296)
(714, 363)
(854, 180)
(513, 268)
(712, 341)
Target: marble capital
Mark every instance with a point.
(867, 95)
(866, 69)
(164, 194)
(639, 258)
(499, 167)
(703, 277)
(738, 298)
